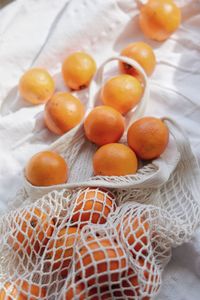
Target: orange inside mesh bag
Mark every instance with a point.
(80, 245)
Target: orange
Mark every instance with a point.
(104, 125)
(61, 248)
(63, 112)
(114, 160)
(93, 260)
(148, 137)
(122, 92)
(32, 231)
(46, 168)
(159, 19)
(21, 290)
(136, 232)
(94, 206)
(143, 54)
(74, 291)
(36, 86)
(78, 70)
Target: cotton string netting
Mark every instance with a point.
(81, 241)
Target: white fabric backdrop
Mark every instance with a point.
(42, 33)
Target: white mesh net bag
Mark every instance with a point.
(81, 241)
(90, 243)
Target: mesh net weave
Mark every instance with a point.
(82, 241)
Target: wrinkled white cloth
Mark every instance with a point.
(42, 33)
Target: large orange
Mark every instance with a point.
(32, 230)
(46, 168)
(63, 112)
(104, 125)
(22, 290)
(159, 19)
(61, 248)
(36, 86)
(148, 137)
(143, 54)
(114, 160)
(122, 92)
(93, 206)
(78, 70)
(93, 260)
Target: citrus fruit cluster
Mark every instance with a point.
(55, 239)
(104, 126)
(35, 233)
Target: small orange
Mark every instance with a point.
(75, 291)
(61, 248)
(136, 232)
(78, 70)
(46, 168)
(94, 206)
(63, 112)
(114, 160)
(143, 54)
(36, 86)
(122, 92)
(32, 231)
(104, 125)
(159, 19)
(21, 290)
(93, 259)
(148, 137)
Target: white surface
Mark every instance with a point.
(42, 33)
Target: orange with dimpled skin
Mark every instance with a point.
(114, 160)
(36, 86)
(122, 92)
(148, 137)
(63, 112)
(159, 19)
(104, 125)
(46, 168)
(78, 70)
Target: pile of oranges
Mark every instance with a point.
(104, 126)
(98, 261)
(34, 232)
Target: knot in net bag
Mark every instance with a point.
(78, 151)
